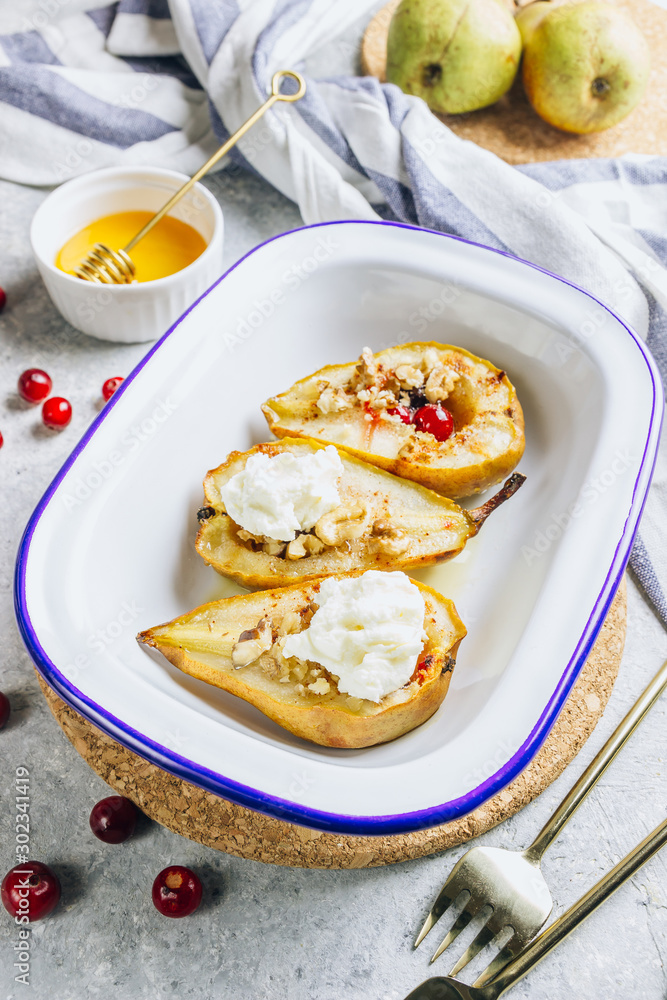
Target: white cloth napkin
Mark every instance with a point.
(85, 84)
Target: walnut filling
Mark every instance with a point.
(383, 389)
(263, 645)
(390, 540)
(305, 544)
(252, 647)
(349, 520)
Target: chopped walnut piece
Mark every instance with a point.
(307, 613)
(304, 545)
(377, 399)
(296, 549)
(381, 526)
(367, 366)
(299, 669)
(269, 665)
(273, 547)
(313, 545)
(333, 401)
(394, 545)
(412, 445)
(252, 643)
(347, 521)
(277, 653)
(247, 536)
(290, 623)
(390, 540)
(440, 383)
(320, 686)
(430, 359)
(409, 376)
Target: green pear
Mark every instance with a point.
(458, 55)
(527, 18)
(585, 65)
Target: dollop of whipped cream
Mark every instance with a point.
(281, 494)
(368, 631)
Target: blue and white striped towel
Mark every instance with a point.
(86, 84)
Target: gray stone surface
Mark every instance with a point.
(268, 932)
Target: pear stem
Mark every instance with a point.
(480, 514)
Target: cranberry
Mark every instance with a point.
(434, 419)
(110, 387)
(56, 413)
(3, 299)
(176, 891)
(401, 411)
(2, 440)
(113, 819)
(34, 385)
(4, 709)
(30, 889)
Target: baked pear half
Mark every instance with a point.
(237, 644)
(430, 412)
(381, 522)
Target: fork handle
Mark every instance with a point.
(597, 767)
(566, 923)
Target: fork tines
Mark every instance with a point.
(493, 926)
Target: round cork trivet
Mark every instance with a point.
(221, 824)
(511, 129)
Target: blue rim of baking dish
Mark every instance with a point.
(283, 809)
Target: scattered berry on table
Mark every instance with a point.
(3, 299)
(34, 385)
(113, 819)
(434, 419)
(56, 413)
(2, 440)
(43, 890)
(110, 387)
(176, 891)
(5, 709)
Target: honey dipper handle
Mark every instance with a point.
(276, 95)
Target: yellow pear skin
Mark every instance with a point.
(585, 65)
(201, 644)
(404, 524)
(489, 434)
(458, 55)
(527, 18)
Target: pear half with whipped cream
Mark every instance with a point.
(298, 510)
(350, 661)
(430, 412)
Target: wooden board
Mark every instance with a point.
(220, 824)
(513, 131)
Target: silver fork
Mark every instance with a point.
(511, 882)
(445, 988)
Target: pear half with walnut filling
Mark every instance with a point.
(235, 644)
(350, 406)
(382, 522)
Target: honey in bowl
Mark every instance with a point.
(170, 245)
